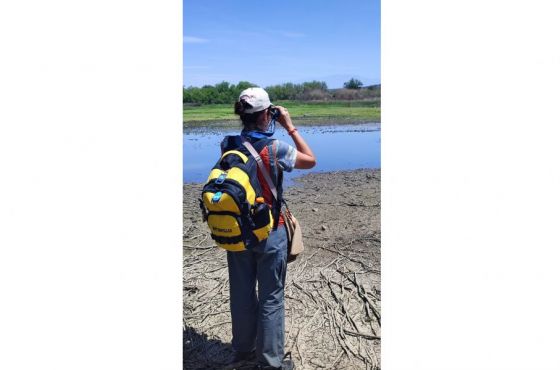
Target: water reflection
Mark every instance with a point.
(337, 147)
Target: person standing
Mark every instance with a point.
(258, 318)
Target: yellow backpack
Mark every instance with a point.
(232, 201)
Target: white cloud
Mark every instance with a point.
(193, 40)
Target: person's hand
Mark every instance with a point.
(284, 118)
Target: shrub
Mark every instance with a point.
(347, 94)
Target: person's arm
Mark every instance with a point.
(305, 158)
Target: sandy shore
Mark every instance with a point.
(333, 292)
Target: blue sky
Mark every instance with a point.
(284, 41)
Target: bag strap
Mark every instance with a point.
(266, 176)
(260, 163)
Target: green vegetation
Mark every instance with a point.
(308, 103)
(353, 84)
(302, 113)
(222, 93)
(226, 93)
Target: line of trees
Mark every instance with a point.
(221, 93)
(226, 93)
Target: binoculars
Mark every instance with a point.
(274, 112)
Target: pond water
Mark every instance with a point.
(336, 147)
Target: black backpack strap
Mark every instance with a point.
(276, 179)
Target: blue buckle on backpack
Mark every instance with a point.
(221, 178)
(216, 197)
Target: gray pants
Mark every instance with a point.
(258, 321)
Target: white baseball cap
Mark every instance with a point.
(256, 97)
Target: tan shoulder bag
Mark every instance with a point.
(295, 237)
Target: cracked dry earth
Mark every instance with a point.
(333, 291)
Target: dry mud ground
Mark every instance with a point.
(333, 292)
